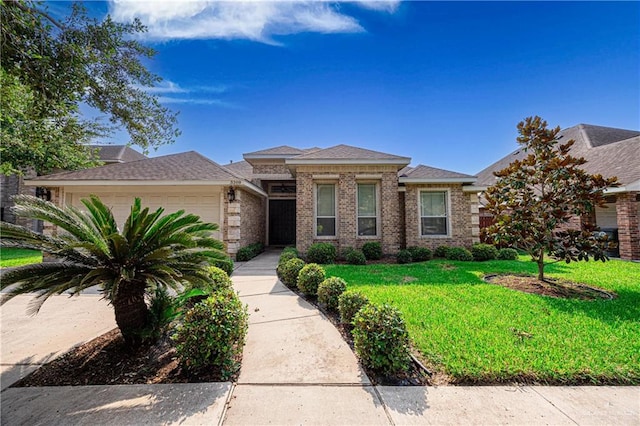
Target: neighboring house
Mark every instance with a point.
(609, 152)
(289, 196)
(14, 184)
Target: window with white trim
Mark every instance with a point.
(367, 210)
(325, 210)
(434, 213)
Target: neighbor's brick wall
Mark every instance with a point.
(464, 227)
(346, 179)
(9, 187)
(628, 225)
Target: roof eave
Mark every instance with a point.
(331, 162)
(437, 180)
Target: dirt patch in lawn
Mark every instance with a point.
(105, 361)
(550, 287)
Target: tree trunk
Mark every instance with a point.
(132, 314)
(541, 265)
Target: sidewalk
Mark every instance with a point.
(296, 369)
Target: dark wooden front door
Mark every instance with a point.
(282, 222)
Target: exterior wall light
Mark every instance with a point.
(231, 195)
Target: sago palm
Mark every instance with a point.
(151, 251)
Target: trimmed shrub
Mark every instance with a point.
(289, 270)
(218, 280)
(404, 256)
(329, 290)
(420, 254)
(322, 253)
(372, 250)
(345, 251)
(287, 255)
(249, 252)
(381, 340)
(212, 334)
(482, 252)
(349, 303)
(459, 253)
(355, 257)
(441, 251)
(507, 254)
(290, 249)
(309, 278)
(225, 264)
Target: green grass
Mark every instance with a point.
(18, 257)
(484, 333)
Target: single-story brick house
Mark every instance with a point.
(288, 196)
(609, 152)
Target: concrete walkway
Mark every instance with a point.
(296, 370)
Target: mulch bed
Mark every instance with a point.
(105, 361)
(549, 287)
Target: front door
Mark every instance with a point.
(282, 222)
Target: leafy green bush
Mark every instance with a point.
(288, 254)
(249, 252)
(212, 334)
(225, 264)
(322, 253)
(355, 257)
(419, 254)
(349, 303)
(381, 340)
(288, 272)
(329, 290)
(459, 253)
(441, 251)
(218, 280)
(507, 254)
(482, 252)
(404, 256)
(309, 278)
(372, 250)
(290, 249)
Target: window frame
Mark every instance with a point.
(376, 185)
(335, 210)
(447, 215)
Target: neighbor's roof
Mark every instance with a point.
(241, 168)
(184, 168)
(426, 174)
(117, 153)
(346, 154)
(608, 151)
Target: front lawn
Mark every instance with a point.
(476, 332)
(18, 257)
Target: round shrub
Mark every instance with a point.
(507, 254)
(322, 253)
(372, 250)
(420, 254)
(218, 280)
(225, 264)
(355, 257)
(381, 340)
(482, 252)
(212, 334)
(309, 278)
(459, 253)
(289, 270)
(329, 290)
(287, 255)
(404, 256)
(441, 251)
(349, 303)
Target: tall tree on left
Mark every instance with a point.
(50, 67)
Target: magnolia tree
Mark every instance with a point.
(535, 199)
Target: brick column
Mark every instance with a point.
(628, 225)
(475, 217)
(231, 232)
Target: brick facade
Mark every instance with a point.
(9, 187)
(243, 222)
(628, 225)
(464, 226)
(270, 169)
(346, 179)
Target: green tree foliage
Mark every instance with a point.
(151, 251)
(50, 67)
(535, 198)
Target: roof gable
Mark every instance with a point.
(346, 154)
(426, 174)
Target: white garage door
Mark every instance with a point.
(206, 205)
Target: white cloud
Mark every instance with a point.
(167, 86)
(252, 20)
(195, 101)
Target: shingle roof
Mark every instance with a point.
(278, 150)
(431, 173)
(598, 145)
(241, 168)
(186, 166)
(348, 153)
(117, 153)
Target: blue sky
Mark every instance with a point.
(442, 82)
